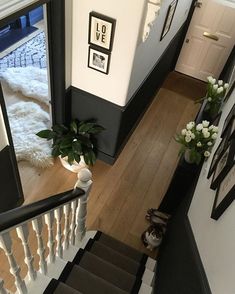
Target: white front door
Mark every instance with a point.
(209, 40)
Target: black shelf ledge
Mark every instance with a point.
(21, 214)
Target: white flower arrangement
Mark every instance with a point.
(198, 139)
(216, 91)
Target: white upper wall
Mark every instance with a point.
(131, 61)
(3, 134)
(149, 52)
(215, 239)
(112, 87)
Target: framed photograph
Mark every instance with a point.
(99, 60)
(227, 121)
(216, 157)
(231, 129)
(231, 82)
(169, 18)
(101, 31)
(224, 195)
(223, 165)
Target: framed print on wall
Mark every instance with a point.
(98, 60)
(169, 18)
(216, 157)
(225, 194)
(101, 31)
(223, 165)
(227, 121)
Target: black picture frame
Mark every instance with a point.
(223, 165)
(231, 129)
(227, 121)
(99, 59)
(224, 195)
(216, 157)
(98, 23)
(169, 18)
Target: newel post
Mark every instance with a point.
(84, 182)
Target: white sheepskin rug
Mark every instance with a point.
(31, 81)
(26, 119)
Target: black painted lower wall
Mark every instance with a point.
(10, 196)
(119, 122)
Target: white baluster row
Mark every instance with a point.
(74, 213)
(6, 245)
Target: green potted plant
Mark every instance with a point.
(74, 145)
(214, 97)
(197, 141)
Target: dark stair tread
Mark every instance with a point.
(106, 271)
(57, 287)
(88, 283)
(116, 258)
(121, 247)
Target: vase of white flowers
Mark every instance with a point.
(216, 90)
(197, 141)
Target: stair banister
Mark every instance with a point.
(17, 216)
(85, 183)
(2, 289)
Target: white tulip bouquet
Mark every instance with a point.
(216, 91)
(197, 139)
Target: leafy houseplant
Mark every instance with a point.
(214, 97)
(74, 141)
(197, 140)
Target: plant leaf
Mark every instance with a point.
(77, 148)
(60, 129)
(66, 143)
(46, 134)
(96, 130)
(74, 127)
(77, 157)
(55, 151)
(70, 158)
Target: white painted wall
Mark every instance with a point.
(3, 134)
(215, 239)
(148, 53)
(114, 86)
(131, 61)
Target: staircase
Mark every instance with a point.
(78, 261)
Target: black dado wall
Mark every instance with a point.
(119, 122)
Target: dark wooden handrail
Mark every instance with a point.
(21, 214)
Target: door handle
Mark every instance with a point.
(210, 36)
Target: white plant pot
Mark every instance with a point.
(75, 167)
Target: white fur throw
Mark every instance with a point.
(26, 119)
(31, 81)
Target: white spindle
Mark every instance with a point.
(84, 182)
(49, 220)
(67, 209)
(59, 248)
(74, 205)
(23, 234)
(2, 289)
(37, 226)
(6, 245)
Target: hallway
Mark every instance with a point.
(138, 180)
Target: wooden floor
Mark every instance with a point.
(138, 180)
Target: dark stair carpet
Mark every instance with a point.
(104, 266)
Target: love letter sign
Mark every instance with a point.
(101, 31)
